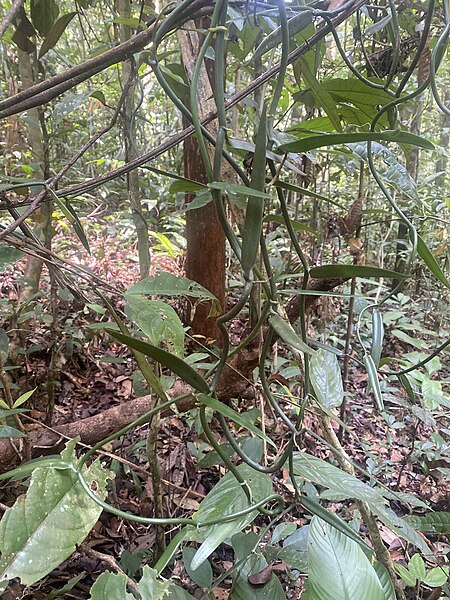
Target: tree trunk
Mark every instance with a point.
(205, 255)
(129, 79)
(42, 217)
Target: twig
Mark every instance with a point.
(10, 16)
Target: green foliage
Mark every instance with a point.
(43, 528)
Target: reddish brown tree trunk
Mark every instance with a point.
(205, 256)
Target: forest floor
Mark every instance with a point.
(95, 374)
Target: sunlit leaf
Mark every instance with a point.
(326, 378)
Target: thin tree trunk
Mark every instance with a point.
(129, 74)
(205, 256)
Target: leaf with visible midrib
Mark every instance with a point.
(44, 527)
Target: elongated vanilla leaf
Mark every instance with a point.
(231, 414)
(44, 527)
(326, 378)
(110, 586)
(178, 366)
(338, 569)
(226, 498)
(288, 335)
(168, 284)
(158, 321)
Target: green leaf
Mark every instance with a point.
(288, 335)
(385, 581)
(331, 271)
(425, 254)
(167, 284)
(243, 590)
(374, 384)
(23, 398)
(158, 321)
(416, 567)
(377, 336)
(186, 185)
(348, 486)
(43, 15)
(404, 573)
(437, 577)
(110, 586)
(388, 167)
(413, 341)
(152, 588)
(8, 256)
(231, 414)
(296, 225)
(10, 432)
(338, 569)
(172, 362)
(436, 522)
(73, 219)
(255, 207)
(202, 575)
(4, 345)
(55, 33)
(239, 190)
(225, 498)
(334, 139)
(44, 527)
(322, 97)
(326, 378)
(295, 25)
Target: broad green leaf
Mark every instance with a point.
(202, 575)
(326, 378)
(158, 321)
(330, 271)
(282, 531)
(43, 15)
(152, 588)
(388, 167)
(338, 569)
(437, 577)
(231, 414)
(348, 486)
(8, 256)
(227, 497)
(432, 394)
(178, 366)
(416, 567)
(425, 254)
(110, 586)
(436, 522)
(288, 335)
(168, 284)
(44, 527)
(385, 581)
(55, 33)
(322, 97)
(334, 139)
(405, 574)
(243, 590)
(177, 593)
(10, 432)
(354, 91)
(240, 190)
